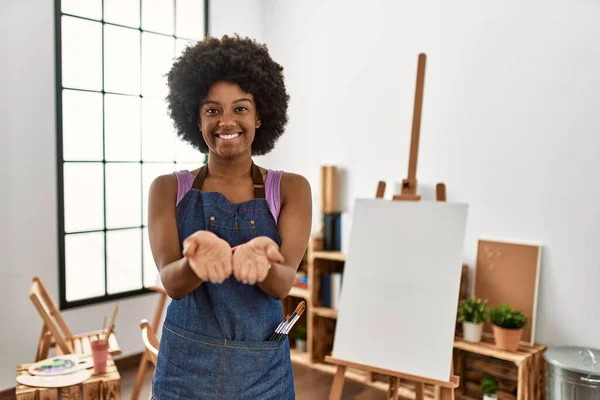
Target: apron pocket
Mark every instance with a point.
(186, 368)
(256, 370)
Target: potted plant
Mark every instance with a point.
(508, 327)
(472, 313)
(489, 386)
(300, 337)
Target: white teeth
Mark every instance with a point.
(229, 137)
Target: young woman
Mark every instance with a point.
(227, 237)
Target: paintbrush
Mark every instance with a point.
(287, 324)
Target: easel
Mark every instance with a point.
(443, 390)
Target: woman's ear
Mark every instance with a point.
(199, 122)
(258, 123)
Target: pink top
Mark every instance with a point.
(185, 180)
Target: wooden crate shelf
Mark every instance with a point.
(520, 374)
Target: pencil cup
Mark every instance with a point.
(100, 355)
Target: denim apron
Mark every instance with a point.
(214, 342)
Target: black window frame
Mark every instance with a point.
(64, 304)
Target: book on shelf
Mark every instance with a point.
(331, 287)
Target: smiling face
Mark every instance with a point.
(228, 120)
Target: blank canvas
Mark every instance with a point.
(401, 284)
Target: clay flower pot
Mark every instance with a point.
(507, 339)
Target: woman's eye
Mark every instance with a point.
(211, 111)
(241, 109)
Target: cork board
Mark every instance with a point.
(508, 273)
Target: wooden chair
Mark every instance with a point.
(150, 341)
(55, 332)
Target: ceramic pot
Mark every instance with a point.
(507, 339)
(489, 397)
(300, 345)
(472, 332)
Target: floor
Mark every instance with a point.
(310, 385)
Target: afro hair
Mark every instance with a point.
(233, 59)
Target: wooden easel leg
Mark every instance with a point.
(43, 345)
(419, 389)
(338, 383)
(393, 388)
(139, 378)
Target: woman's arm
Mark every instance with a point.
(175, 272)
(295, 223)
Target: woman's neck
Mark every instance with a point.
(228, 169)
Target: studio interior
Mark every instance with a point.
(385, 199)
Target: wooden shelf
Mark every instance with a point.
(487, 348)
(299, 292)
(329, 255)
(325, 312)
(520, 373)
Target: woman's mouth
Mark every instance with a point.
(229, 136)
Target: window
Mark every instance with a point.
(115, 137)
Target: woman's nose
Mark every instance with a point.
(227, 121)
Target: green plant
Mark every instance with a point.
(489, 385)
(505, 317)
(472, 310)
(300, 333)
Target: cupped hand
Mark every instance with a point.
(252, 260)
(209, 256)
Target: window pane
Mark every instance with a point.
(184, 152)
(121, 60)
(83, 8)
(151, 276)
(157, 53)
(190, 19)
(123, 195)
(158, 135)
(188, 166)
(158, 16)
(84, 265)
(123, 12)
(82, 125)
(83, 196)
(151, 171)
(123, 128)
(181, 44)
(124, 264)
(81, 54)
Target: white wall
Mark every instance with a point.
(510, 122)
(237, 16)
(28, 234)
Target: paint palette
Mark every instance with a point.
(60, 365)
(55, 381)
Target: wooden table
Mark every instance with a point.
(529, 376)
(105, 386)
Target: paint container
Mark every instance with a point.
(100, 355)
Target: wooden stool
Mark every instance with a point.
(106, 386)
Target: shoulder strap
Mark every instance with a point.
(257, 179)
